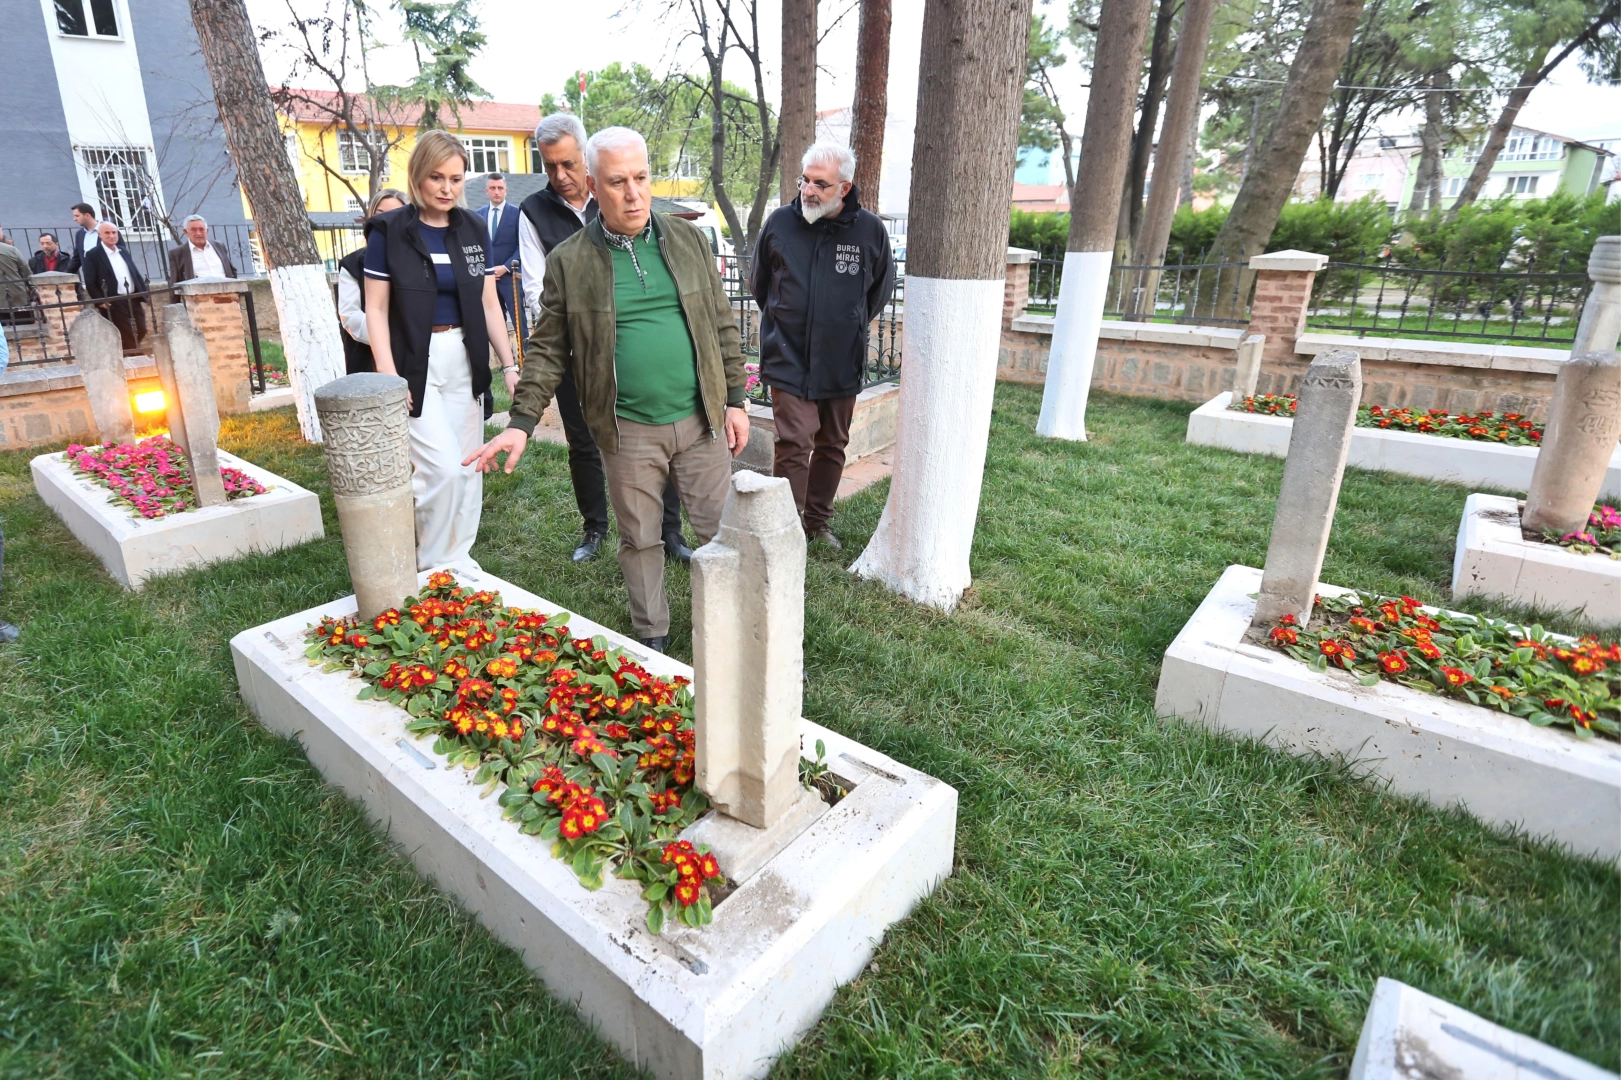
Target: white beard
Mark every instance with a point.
(816, 213)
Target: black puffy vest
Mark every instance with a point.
(554, 219)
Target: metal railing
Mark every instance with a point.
(1380, 297)
(333, 242)
(150, 251)
(1205, 293)
(37, 332)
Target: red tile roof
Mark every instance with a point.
(474, 116)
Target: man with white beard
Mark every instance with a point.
(822, 272)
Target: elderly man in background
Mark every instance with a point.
(50, 258)
(110, 274)
(198, 257)
(551, 215)
(633, 309)
(822, 272)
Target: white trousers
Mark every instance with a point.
(449, 496)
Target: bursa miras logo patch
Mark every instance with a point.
(474, 254)
(847, 259)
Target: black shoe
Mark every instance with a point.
(589, 547)
(825, 535)
(8, 633)
(657, 644)
(675, 547)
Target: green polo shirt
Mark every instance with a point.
(654, 362)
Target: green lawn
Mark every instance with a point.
(180, 895)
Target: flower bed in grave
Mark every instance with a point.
(592, 752)
(1601, 537)
(152, 477)
(1432, 447)
(1525, 672)
(1505, 429)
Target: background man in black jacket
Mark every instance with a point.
(822, 272)
(50, 258)
(109, 272)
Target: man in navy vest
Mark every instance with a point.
(548, 217)
(501, 219)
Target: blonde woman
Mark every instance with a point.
(351, 300)
(430, 309)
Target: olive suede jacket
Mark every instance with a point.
(576, 329)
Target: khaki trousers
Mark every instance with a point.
(648, 455)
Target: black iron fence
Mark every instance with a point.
(1382, 297)
(150, 251)
(333, 242)
(36, 329)
(1205, 293)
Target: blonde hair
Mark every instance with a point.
(386, 193)
(433, 148)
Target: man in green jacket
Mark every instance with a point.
(633, 308)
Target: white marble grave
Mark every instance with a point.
(1411, 1035)
(1499, 768)
(1494, 559)
(717, 1003)
(1430, 457)
(133, 548)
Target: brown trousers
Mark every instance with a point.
(811, 437)
(637, 472)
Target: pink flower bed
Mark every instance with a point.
(151, 477)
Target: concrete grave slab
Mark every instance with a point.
(1499, 768)
(718, 1003)
(1494, 559)
(1411, 1035)
(1430, 457)
(133, 548)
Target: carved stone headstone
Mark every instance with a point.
(748, 626)
(1325, 416)
(99, 353)
(181, 355)
(366, 423)
(1584, 423)
(1248, 372)
(1600, 327)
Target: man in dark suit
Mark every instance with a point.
(84, 237)
(110, 274)
(50, 258)
(501, 219)
(199, 257)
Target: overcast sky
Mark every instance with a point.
(535, 47)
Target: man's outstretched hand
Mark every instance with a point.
(510, 442)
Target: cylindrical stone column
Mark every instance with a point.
(1318, 445)
(1600, 327)
(1584, 423)
(365, 421)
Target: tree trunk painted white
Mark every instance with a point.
(1075, 344)
(309, 337)
(953, 333)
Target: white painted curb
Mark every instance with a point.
(1431, 457)
(717, 1003)
(133, 548)
(1494, 559)
(1499, 768)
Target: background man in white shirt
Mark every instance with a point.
(199, 257)
(110, 274)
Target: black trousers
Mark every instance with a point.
(130, 318)
(585, 467)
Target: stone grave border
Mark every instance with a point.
(1431, 457)
(134, 548)
(1500, 768)
(718, 1002)
(1493, 559)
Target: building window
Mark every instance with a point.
(488, 155)
(1528, 146)
(687, 167)
(87, 18)
(1520, 185)
(353, 159)
(1387, 142)
(1373, 181)
(536, 162)
(126, 190)
(354, 205)
(1454, 187)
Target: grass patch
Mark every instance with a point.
(180, 894)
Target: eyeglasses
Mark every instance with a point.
(819, 185)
